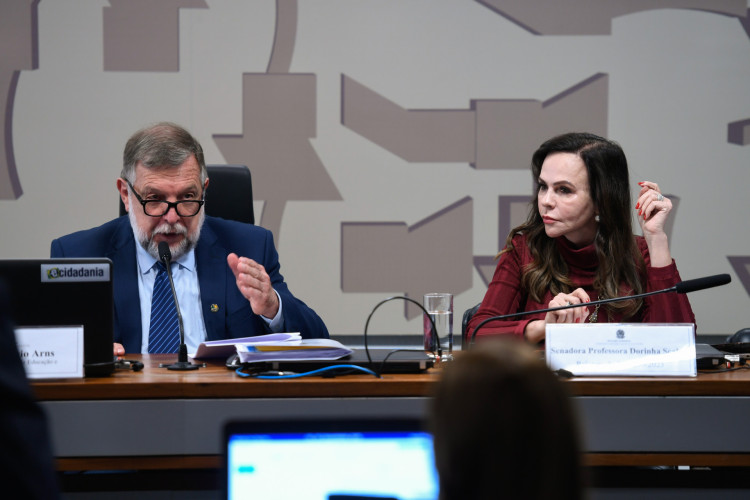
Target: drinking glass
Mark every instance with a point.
(439, 306)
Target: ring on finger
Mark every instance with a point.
(659, 197)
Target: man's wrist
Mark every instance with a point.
(276, 323)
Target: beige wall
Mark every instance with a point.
(389, 140)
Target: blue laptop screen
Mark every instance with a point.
(339, 465)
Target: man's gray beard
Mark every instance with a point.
(178, 249)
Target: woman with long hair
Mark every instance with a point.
(577, 245)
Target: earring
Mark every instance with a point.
(596, 217)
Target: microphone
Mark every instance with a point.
(702, 283)
(165, 256)
(681, 287)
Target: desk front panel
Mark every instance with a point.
(160, 413)
(194, 426)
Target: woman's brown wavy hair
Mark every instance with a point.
(621, 269)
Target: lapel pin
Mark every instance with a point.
(214, 308)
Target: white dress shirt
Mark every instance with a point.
(185, 277)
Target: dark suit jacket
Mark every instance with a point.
(226, 312)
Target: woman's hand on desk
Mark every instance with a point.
(572, 315)
(536, 330)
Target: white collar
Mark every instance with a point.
(146, 261)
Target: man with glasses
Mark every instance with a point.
(226, 273)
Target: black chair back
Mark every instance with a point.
(468, 314)
(229, 194)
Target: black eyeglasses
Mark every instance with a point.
(158, 208)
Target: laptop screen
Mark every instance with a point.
(329, 460)
(65, 292)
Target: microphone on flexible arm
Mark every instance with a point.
(165, 256)
(681, 287)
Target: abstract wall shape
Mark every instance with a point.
(143, 35)
(19, 50)
(512, 211)
(284, 37)
(279, 113)
(416, 136)
(509, 131)
(485, 266)
(745, 22)
(594, 17)
(739, 132)
(389, 257)
(493, 134)
(741, 266)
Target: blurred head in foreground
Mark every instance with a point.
(504, 427)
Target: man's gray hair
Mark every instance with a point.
(163, 145)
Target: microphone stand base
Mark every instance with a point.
(182, 366)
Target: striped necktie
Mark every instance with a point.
(164, 331)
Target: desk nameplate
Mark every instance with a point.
(622, 349)
(51, 351)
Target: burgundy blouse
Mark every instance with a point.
(504, 294)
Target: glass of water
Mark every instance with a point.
(439, 306)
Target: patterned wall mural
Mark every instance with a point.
(389, 141)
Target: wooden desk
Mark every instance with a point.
(158, 418)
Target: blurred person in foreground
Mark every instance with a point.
(577, 245)
(27, 468)
(504, 427)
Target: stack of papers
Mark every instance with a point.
(308, 349)
(273, 347)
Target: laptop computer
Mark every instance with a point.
(66, 292)
(329, 459)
